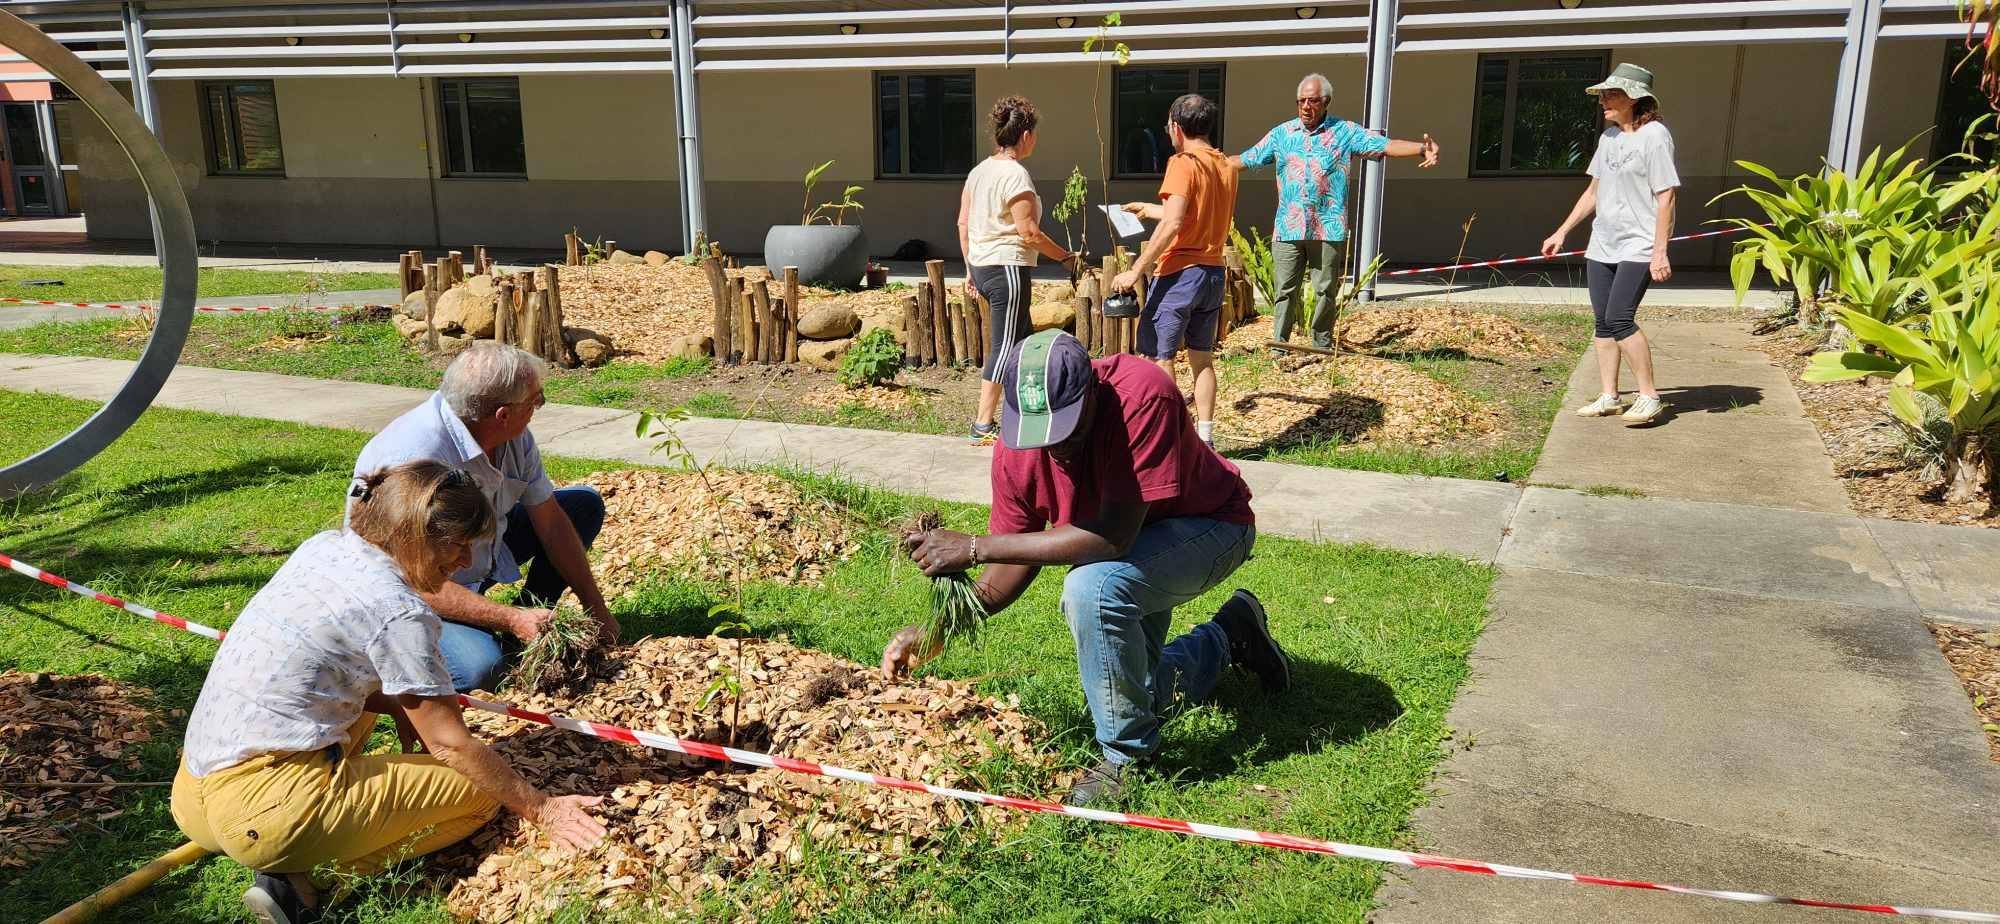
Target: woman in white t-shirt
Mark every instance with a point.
(272, 771)
(1632, 189)
(999, 232)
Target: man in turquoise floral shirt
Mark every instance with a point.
(1312, 153)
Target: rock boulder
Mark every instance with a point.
(463, 311)
(691, 346)
(829, 322)
(624, 258)
(413, 305)
(1051, 315)
(656, 258)
(410, 328)
(824, 355)
(591, 348)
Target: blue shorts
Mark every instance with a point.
(1181, 310)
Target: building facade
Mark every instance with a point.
(450, 122)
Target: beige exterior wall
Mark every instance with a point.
(362, 154)
(362, 163)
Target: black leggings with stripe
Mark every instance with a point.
(1008, 293)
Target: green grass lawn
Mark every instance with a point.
(192, 512)
(135, 283)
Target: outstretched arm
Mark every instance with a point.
(1426, 149)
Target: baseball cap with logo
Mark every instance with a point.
(1045, 383)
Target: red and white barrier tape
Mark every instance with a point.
(135, 609)
(1509, 261)
(120, 306)
(718, 752)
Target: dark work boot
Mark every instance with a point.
(1103, 784)
(273, 899)
(1250, 644)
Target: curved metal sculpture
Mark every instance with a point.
(177, 255)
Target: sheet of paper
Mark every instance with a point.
(1123, 222)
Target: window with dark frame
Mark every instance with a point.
(1139, 112)
(1960, 103)
(241, 128)
(1531, 116)
(481, 122)
(926, 125)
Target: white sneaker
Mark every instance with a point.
(1605, 406)
(1644, 410)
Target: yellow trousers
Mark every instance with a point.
(292, 812)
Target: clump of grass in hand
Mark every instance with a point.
(560, 657)
(955, 610)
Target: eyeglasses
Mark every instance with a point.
(1309, 100)
(541, 399)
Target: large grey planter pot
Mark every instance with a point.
(832, 255)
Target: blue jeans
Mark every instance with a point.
(474, 654)
(1119, 611)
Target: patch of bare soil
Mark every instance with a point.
(681, 827)
(1865, 442)
(1975, 657)
(727, 527)
(59, 735)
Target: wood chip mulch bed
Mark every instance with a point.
(681, 827)
(1975, 656)
(721, 526)
(79, 729)
(873, 397)
(1862, 439)
(1428, 328)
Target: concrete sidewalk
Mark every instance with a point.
(1713, 694)
(1726, 695)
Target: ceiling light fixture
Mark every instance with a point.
(291, 40)
(657, 33)
(848, 28)
(1307, 12)
(1065, 22)
(466, 36)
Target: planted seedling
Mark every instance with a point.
(728, 677)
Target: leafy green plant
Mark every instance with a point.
(839, 209)
(1982, 42)
(1950, 354)
(872, 360)
(696, 253)
(1255, 252)
(1815, 223)
(662, 427)
(1076, 195)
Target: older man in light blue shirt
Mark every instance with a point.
(477, 421)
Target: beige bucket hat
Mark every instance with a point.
(1636, 81)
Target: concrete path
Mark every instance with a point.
(1714, 694)
(1670, 687)
(1734, 429)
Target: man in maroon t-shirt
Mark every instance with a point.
(1100, 469)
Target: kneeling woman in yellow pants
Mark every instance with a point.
(272, 773)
